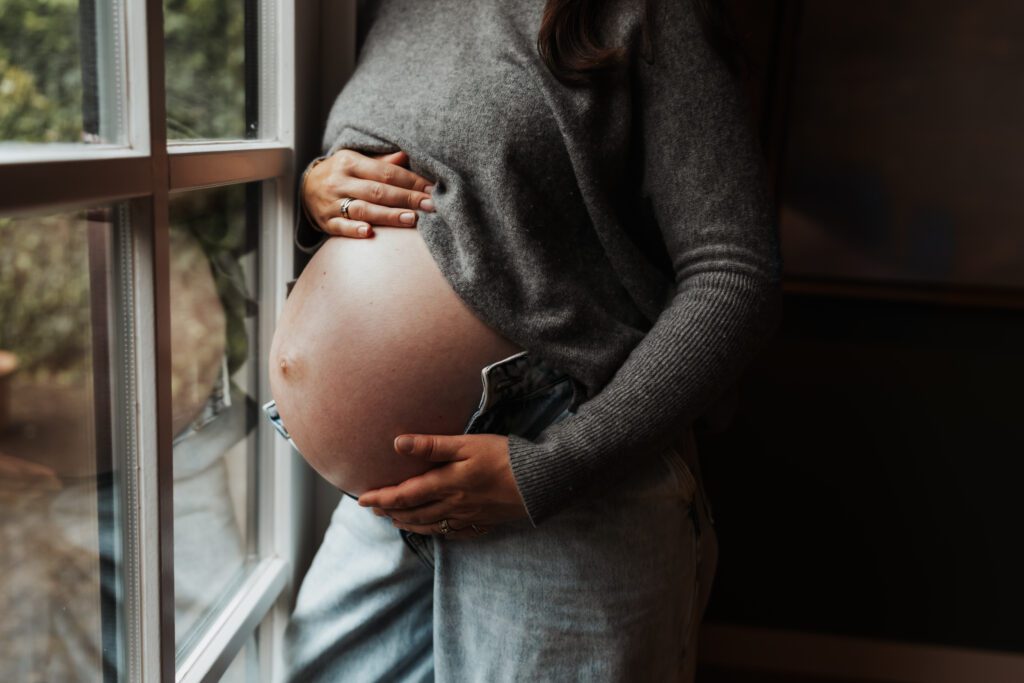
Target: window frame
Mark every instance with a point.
(144, 172)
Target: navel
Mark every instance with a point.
(288, 365)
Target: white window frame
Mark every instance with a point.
(145, 171)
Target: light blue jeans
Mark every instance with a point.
(610, 589)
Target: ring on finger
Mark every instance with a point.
(344, 206)
(445, 527)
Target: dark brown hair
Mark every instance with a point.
(570, 47)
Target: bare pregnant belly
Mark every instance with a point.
(372, 343)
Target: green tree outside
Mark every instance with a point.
(44, 288)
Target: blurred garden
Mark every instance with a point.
(48, 51)
(55, 489)
(42, 44)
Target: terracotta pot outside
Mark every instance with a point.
(8, 366)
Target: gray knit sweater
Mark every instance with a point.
(623, 231)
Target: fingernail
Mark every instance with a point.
(408, 217)
(429, 189)
(403, 444)
(427, 204)
(364, 230)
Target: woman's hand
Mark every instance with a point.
(473, 489)
(384, 191)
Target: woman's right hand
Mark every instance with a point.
(385, 192)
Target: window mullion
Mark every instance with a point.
(143, 568)
(235, 623)
(48, 184)
(158, 619)
(285, 475)
(137, 75)
(281, 473)
(199, 169)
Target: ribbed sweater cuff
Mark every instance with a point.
(566, 460)
(308, 237)
(694, 351)
(546, 477)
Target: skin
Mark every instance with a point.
(386, 193)
(371, 343)
(463, 478)
(472, 487)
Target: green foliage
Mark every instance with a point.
(40, 71)
(44, 288)
(44, 280)
(205, 68)
(217, 219)
(44, 294)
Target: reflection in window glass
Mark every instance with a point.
(60, 604)
(61, 71)
(213, 62)
(214, 384)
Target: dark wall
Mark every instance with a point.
(869, 483)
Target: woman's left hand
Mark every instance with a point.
(473, 489)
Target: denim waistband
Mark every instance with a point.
(522, 395)
(517, 377)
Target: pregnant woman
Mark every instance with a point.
(564, 199)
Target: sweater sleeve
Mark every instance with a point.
(308, 238)
(704, 177)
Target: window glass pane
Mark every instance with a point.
(62, 443)
(217, 70)
(61, 71)
(214, 388)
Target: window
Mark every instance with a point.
(59, 512)
(146, 176)
(62, 72)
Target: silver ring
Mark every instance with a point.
(344, 206)
(446, 528)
